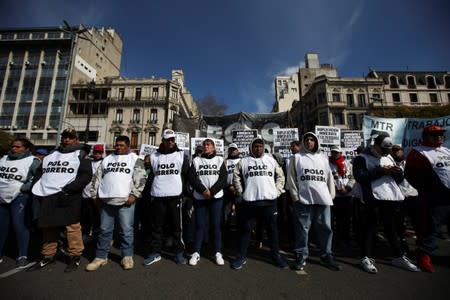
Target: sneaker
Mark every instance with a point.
(47, 260)
(329, 262)
(1, 259)
(179, 258)
(152, 258)
(280, 262)
(73, 264)
(424, 263)
(300, 262)
(238, 263)
(219, 259)
(22, 263)
(96, 264)
(367, 264)
(194, 259)
(404, 263)
(127, 262)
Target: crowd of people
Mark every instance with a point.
(78, 194)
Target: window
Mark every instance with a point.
(338, 118)
(448, 97)
(174, 93)
(322, 97)
(119, 115)
(351, 120)
(431, 84)
(362, 100)
(447, 82)
(155, 93)
(134, 139)
(433, 98)
(154, 115)
(395, 97)
(411, 82)
(294, 90)
(413, 98)
(323, 118)
(336, 97)
(376, 96)
(138, 94)
(152, 138)
(136, 115)
(393, 82)
(121, 93)
(350, 100)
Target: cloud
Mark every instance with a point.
(262, 106)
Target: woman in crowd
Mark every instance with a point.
(17, 169)
(208, 177)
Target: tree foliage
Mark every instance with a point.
(5, 140)
(210, 106)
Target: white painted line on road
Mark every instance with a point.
(16, 270)
(301, 272)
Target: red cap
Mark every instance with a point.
(433, 128)
(98, 147)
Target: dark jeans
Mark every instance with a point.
(341, 215)
(389, 213)
(248, 213)
(201, 209)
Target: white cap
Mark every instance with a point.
(335, 148)
(232, 145)
(168, 133)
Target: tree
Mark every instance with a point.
(210, 106)
(5, 141)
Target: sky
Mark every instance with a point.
(233, 49)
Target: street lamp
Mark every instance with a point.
(91, 97)
(73, 40)
(379, 100)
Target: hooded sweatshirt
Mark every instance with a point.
(310, 179)
(258, 179)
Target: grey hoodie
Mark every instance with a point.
(292, 172)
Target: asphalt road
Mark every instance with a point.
(257, 280)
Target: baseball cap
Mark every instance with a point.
(433, 128)
(232, 145)
(335, 148)
(384, 141)
(70, 132)
(98, 148)
(168, 133)
(41, 151)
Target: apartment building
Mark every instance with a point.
(37, 65)
(138, 108)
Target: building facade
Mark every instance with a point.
(330, 100)
(36, 65)
(138, 108)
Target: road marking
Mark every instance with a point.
(301, 272)
(15, 270)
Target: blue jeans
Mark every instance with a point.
(320, 216)
(17, 212)
(109, 213)
(201, 207)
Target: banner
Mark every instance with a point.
(350, 140)
(182, 140)
(243, 139)
(282, 138)
(328, 135)
(406, 132)
(146, 149)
